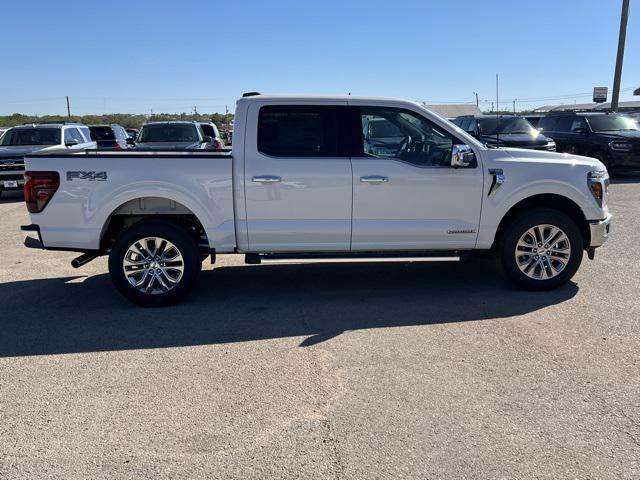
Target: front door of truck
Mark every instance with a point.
(406, 196)
(298, 181)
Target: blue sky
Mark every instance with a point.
(169, 56)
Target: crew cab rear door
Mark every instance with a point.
(406, 195)
(298, 180)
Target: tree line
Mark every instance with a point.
(127, 120)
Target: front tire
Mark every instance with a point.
(154, 263)
(541, 249)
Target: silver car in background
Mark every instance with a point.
(19, 141)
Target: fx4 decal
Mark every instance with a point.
(91, 176)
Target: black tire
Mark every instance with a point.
(174, 234)
(518, 227)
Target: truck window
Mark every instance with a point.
(564, 124)
(31, 136)
(298, 131)
(102, 133)
(407, 136)
(579, 124)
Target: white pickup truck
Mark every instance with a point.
(319, 178)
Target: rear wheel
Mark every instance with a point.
(541, 249)
(154, 263)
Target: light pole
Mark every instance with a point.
(621, 39)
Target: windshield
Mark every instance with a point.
(611, 123)
(31, 136)
(102, 133)
(168, 133)
(493, 126)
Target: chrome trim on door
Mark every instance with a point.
(266, 179)
(374, 179)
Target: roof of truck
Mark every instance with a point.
(307, 98)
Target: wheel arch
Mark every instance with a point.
(135, 210)
(551, 201)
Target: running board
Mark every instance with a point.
(271, 258)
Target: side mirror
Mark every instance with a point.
(462, 156)
(71, 142)
(207, 139)
(131, 141)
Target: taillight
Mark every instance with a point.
(118, 147)
(39, 187)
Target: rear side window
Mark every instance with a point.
(101, 133)
(548, 123)
(298, 131)
(208, 130)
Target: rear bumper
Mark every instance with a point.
(31, 236)
(599, 231)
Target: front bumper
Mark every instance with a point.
(16, 180)
(599, 231)
(624, 160)
(31, 236)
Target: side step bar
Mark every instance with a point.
(429, 256)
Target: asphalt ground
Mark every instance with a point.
(355, 371)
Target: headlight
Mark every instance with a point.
(621, 146)
(598, 182)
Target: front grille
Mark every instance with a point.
(8, 164)
(11, 168)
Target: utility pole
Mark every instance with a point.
(621, 39)
(68, 108)
(514, 105)
(477, 102)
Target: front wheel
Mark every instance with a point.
(541, 249)
(154, 263)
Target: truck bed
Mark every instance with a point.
(96, 184)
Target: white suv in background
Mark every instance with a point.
(34, 137)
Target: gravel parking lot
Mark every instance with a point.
(322, 371)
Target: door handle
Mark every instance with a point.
(266, 179)
(374, 179)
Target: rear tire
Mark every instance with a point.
(541, 249)
(154, 263)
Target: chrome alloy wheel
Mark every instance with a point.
(543, 252)
(153, 265)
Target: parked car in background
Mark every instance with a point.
(612, 138)
(110, 136)
(174, 135)
(2, 130)
(210, 130)
(505, 131)
(133, 133)
(20, 141)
